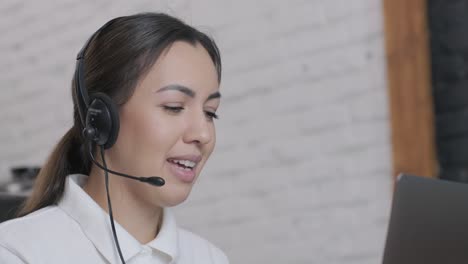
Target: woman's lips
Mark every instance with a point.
(183, 174)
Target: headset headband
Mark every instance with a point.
(80, 86)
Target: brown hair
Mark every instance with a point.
(116, 59)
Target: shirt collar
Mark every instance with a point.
(166, 241)
(95, 223)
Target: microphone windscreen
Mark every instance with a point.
(158, 181)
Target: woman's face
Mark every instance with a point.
(167, 126)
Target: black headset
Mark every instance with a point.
(99, 114)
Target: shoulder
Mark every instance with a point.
(27, 223)
(202, 246)
(23, 233)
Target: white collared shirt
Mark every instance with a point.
(78, 230)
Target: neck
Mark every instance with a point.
(140, 219)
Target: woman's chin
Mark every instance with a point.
(175, 195)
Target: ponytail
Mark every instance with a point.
(68, 157)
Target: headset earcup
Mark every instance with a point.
(103, 116)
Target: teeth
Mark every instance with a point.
(186, 163)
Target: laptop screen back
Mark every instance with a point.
(428, 223)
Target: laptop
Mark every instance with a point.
(428, 222)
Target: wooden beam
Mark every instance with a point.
(409, 87)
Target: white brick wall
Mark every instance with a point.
(301, 173)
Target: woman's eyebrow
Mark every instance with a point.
(177, 87)
(187, 91)
(214, 96)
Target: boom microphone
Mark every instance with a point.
(154, 180)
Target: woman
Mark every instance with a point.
(146, 91)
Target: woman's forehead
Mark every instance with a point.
(184, 64)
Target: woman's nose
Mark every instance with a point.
(199, 130)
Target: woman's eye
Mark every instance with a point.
(177, 109)
(211, 115)
(173, 109)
